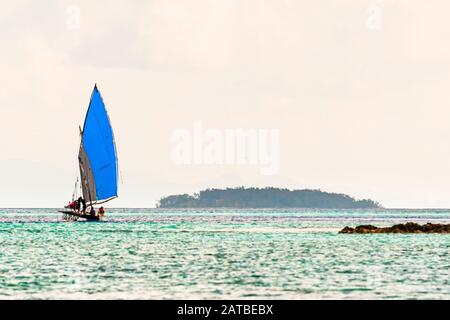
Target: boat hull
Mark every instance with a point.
(77, 215)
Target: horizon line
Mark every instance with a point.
(253, 208)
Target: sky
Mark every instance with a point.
(356, 91)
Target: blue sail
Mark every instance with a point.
(99, 148)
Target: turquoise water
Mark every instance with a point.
(221, 254)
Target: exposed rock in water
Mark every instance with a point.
(408, 227)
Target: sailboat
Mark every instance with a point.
(97, 158)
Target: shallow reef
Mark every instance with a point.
(408, 227)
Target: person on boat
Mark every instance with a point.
(72, 205)
(77, 204)
(92, 212)
(101, 213)
(81, 201)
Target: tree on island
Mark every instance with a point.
(268, 197)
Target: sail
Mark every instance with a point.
(87, 177)
(97, 156)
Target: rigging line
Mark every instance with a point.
(75, 189)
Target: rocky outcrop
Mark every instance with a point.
(409, 227)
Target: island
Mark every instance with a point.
(268, 197)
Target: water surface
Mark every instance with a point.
(221, 254)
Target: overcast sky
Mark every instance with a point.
(358, 90)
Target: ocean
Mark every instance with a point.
(221, 254)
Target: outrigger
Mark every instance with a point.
(97, 158)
